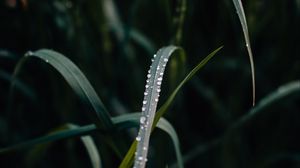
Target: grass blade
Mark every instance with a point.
(274, 97)
(53, 136)
(77, 81)
(90, 147)
(152, 91)
(36, 153)
(240, 11)
(127, 161)
(178, 21)
(162, 124)
(121, 122)
(280, 93)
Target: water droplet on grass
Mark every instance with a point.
(138, 138)
(142, 120)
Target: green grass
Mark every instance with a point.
(84, 101)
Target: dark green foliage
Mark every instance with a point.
(112, 43)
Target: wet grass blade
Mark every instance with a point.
(162, 124)
(78, 82)
(127, 161)
(240, 11)
(149, 104)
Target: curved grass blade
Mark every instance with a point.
(35, 153)
(151, 95)
(162, 124)
(90, 147)
(77, 81)
(280, 93)
(121, 122)
(127, 161)
(240, 11)
(54, 136)
(274, 97)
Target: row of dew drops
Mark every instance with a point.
(152, 89)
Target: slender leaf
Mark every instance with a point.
(276, 96)
(178, 21)
(35, 153)
(280, 93)
(128, 160)
(149, 104)
(240, 11)
(77, 81)
(90, 147)
(122, 122)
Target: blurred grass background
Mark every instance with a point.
(113, 42)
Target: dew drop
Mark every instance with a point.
(149, 71)
(160, 79)
(144, 148)
(47, 61)
(147, 86)
(161, 73)
(157, 68)
(149, 75)
(158, 90)
(247, 45)
(144, 102)
(142, 120)
(156, 99)
(152, 60)
(29, 53)
(154, 55)
(143, 108)
(158, 83)
(145, 93)
(166, 59)
(140, 158)
(138, 138)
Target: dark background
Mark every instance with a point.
(110, 52)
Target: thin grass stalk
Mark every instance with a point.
(240, 11)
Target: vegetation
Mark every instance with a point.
(72, 77)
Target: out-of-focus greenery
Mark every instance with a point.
(113, 41)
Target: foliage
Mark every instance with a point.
(108, 46)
